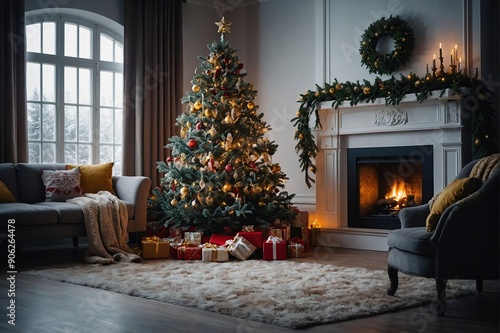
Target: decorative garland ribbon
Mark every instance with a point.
(476, 100)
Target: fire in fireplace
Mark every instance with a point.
(382, 181)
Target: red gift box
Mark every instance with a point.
(189, 252)
(274, 248)
(254, 237)
(219, 239)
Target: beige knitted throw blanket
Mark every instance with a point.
(485, 167)
(106, 219)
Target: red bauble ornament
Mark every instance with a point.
(229, 167)
(240, 66)
(236, 72)
(200, 126)
(192, 143)
(169, 159)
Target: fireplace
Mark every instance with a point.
(383, 180)
(426, 136)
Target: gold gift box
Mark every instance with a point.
(192, 238)
(212, 252)
(241, 248)
(155, 248)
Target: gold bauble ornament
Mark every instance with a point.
(209, 201)
(261, 204)
(338, 86)
(197, 105)
(366, 90)
(301, 136)
(208, 113)
(418, 83)
(332, 90)
(227, 187)
(257, 189)
(477, 142)
(250, 105)
(174, 202)
(195, 88)
(184, 191)
(297, 114)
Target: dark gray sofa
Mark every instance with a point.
(37, 219)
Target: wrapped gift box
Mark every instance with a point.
(302, 233)
(301, 219)
(155, 248)
(240, 247)
(192, 238)
(296, 250)
(274, 248)
(211, 252)
(189, 252)
(219, 239)
(254, 237)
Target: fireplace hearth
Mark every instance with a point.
(383, 180)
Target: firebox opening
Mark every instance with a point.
(384, 192)
(382, 181)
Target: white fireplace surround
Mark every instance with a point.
(436, 122)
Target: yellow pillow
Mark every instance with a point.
(456, 190)
(5, 194)
(95, 178)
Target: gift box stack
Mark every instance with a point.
(299, 229)
(278, 242)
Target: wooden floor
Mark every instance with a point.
(49, 306)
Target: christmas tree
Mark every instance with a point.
(220, 175)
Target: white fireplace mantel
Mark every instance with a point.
(435, 122)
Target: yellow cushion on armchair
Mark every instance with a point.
(456, 190)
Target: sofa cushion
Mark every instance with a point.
(415, 240)
(29, 181)
(5, 194)
(456, 190)
(26, 214)
(61, 185)
(67, 212)
(8, 177)
(95, 178)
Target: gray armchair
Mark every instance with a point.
(464, 244)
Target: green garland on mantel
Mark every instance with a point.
(475, 97)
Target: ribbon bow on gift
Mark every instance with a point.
(247, 228)
(274, 239)
(152, 239)
(210, 246)
(296, 240)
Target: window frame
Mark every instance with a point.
(60, 61)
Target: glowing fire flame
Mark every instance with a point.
(397, 191)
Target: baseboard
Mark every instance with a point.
(354, 238)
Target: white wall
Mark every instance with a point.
(289, 45)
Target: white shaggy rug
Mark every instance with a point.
(287, 293)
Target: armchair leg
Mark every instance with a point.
(441, 294)
(393, 277)
(479, 285)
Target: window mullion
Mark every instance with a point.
(60, 91)
(96, 99)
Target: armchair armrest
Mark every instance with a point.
(411, 217)
(134, 189)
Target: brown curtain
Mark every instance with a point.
(153, 82)
(13, 139)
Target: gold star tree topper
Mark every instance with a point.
(224, 26)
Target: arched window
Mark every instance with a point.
(74, 80)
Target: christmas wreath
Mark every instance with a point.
(404, 42)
